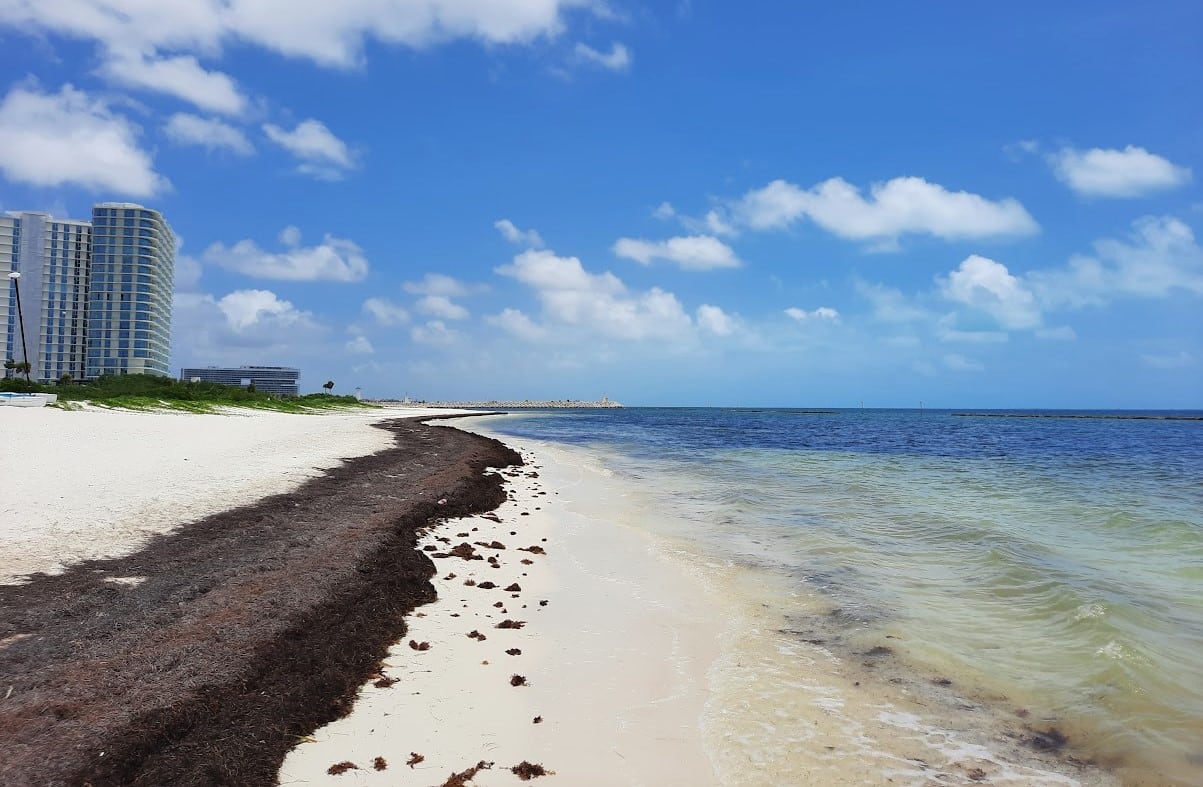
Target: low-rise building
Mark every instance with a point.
(282, 380)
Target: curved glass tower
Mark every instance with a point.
(129, 300)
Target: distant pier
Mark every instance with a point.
(498, 404)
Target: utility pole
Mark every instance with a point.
(15, 276)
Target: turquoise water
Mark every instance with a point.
(1050, 562)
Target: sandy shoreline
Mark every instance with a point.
(204, 655)
(640, 660)
(615, 649)
(103, 481)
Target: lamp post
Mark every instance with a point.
(15, 276)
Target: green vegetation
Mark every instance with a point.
(148, 392)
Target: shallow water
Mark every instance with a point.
(1050, 569)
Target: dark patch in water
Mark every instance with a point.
(1050, 740)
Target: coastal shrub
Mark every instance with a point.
(146, 392)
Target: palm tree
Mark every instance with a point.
(329, 386)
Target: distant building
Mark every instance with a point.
(129, 302)
(53, 257)
(95, 296)
(281, 380)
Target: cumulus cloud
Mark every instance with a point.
(1131, 172)
(514, 235)
(1159, 256)
(335, 259)
(241, 324)
(331, 34)
(897, 207)
(442, 284)
(359, 346)
(246, 308)
(617, 59)
(515, 323)
(441, 306)
(211, 134)
(434, 332)
(385, 312)
(187, 272)
(572, 296)
(822, 313)
(715, 320)
(692, 253)
(664, 211)
(988, 286)
(322, 155)
(71, 138)
(181, 76)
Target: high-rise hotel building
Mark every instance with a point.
(129, 300)
(95, 296)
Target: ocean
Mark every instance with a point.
(1034, 585)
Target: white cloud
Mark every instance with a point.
(290, 236)
(715, 320)
(599, 303)
(718, 224)
(245, 325)
(1131, 172)
(187, 272)
(692, 253)
(617, 59)
(822, 313)
(1160, 256)
(322, 155)
(441, 306)
(213, 135)
(515, 323)
(246, 308)
(181, 76)
(514, 235)
(664, 211)
(1180, 361)
(385, 312)
(434, 332)
(359, 346)
(442, 284)
(960, 363)
(331, 34)
(988, 286)
(69, 137)
(900, 206)
(335, 259)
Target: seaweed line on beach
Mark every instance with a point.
(251, 629)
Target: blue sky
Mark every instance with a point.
(782, 204)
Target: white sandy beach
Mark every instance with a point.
(646, 665)
(96, 483)
(616, 661)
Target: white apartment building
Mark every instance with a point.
(52, 256)
(129, 299)
(95, 296)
